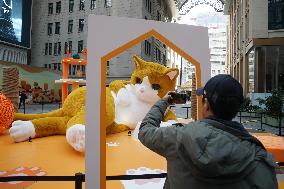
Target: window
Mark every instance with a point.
(65, 47)
(59, 48)
(50, 8)
(49, 28)
(107, 72)
(45, 65)
(70, 69)
(81, 25)
(71, 5)
(158, 55)
(275, 14)
(50, 48)
(218, 71)
(58, 7)
(149, 5)
(46, 49)
(107, 3)
(70, 46)
(147, 48)
(57, 27)
(82, 5)
(93, 4)
(70, 26)
(49, 66)
(55, 49)
(59, 66)
(55, 66)
(80, 46)
(159, 16)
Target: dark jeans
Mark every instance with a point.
(22, 102)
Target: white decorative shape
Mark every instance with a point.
(20, 169)
(3, 172)
(112, 144)
(41, 173)
(34, 168)
(155, 183)
(75, 136)
(22, 130)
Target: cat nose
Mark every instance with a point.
(141, 90)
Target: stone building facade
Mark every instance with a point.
(256, 43)
(62, 25)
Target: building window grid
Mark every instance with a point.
(93, 4)
(71, 5)
(49, 28)
(108, 3)
(55, 49)
(70, 26)
(82, 5)
(57, 28)
(59, 48)
(149, 5)
(58, 7)
(50, 48)
(50, 8)
(65, 47)
(80, 46)
(275, 14)
(81, 25)
(147, 48)
(70, 46)
(46, 49)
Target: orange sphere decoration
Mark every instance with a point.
(6, 112)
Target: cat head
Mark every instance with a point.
(152, 81)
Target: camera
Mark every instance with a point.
(177, 98)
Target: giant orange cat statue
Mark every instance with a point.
(149, 83)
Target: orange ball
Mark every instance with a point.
(6, 112)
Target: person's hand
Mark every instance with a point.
(168, 98)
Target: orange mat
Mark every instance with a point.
(43, 156)
(53, 156)
(273, 144)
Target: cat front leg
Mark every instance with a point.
(23, 130)
(123, 97)
(75, 133)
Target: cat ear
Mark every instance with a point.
(137, 62)
(172, 73)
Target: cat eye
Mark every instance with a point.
(138, 80)
(156, 86)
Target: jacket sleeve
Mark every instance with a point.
(161, 140)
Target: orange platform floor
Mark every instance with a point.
(54, 157)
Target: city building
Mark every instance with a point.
(216, 24)
(59, 26)
(256, 43)
(15, 31)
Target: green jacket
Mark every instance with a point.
(200, 156)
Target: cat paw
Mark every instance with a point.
(75, 136)
(22, 130)
(122, 97)
(144, 183)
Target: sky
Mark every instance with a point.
(195, 12)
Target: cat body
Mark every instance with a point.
(127, 104)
